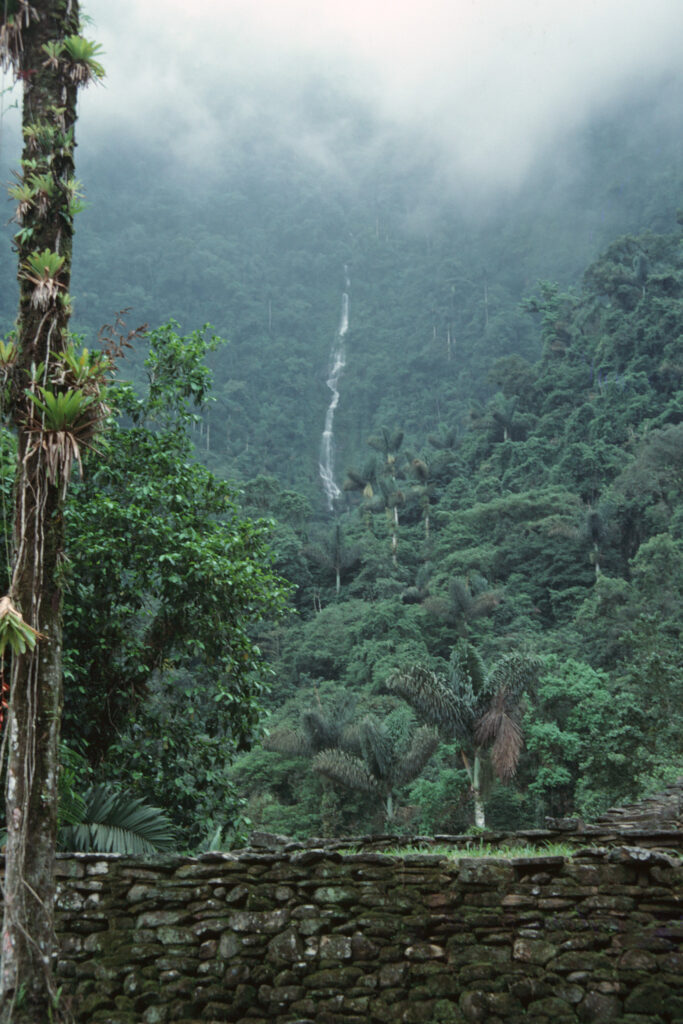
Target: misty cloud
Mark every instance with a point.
(489, 82)
(485, 87)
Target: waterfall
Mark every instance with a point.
(337, 364)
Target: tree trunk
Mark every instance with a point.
(34, 720)
(474, 775)
(479, 817)
(27, 991)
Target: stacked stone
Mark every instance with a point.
(570, 832)
(663, 810)
(317, 936)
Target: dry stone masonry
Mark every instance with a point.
(304, 934)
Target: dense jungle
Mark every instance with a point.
(460, 610)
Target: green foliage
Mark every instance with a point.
(389, 753)
(552, 526)
(585, 738)
(178, 379)
(529, 461)
(81, 54)
(167, 585)
(62, 411)
(44, 265)
(442, 797)
(15, 634)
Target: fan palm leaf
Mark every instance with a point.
(117, 823)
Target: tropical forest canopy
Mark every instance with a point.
(490, 613)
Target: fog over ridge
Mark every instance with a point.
(487, 84)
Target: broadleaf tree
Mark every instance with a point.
(168, 586)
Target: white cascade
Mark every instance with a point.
(337, 364)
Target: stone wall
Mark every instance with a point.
(663, 810)
(313, 935)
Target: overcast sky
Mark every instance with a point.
(492, 82)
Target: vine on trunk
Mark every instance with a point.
(55, 400)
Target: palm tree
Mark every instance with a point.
(374, 757)
(319, 730)
(423, 488)
(481, 709)
(332, 555)
(503, 415)
(388, 444)
(364, 480)
(389, 754)
(443, 461)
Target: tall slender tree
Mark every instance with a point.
(383, 756)
(481, 709)
(54, 399)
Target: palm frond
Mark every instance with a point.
(71, 807)
(289, 742)
(424, 744)
(377, 747)
(429, 695)
(500, 728)
(460, 596)
(116, 823)
(345, 769)
(354, 481)
(507, 748)
(321, 731)
(485, 603)
(467, 667)
(516, 673)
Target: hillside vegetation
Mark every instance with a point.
(492, 608)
